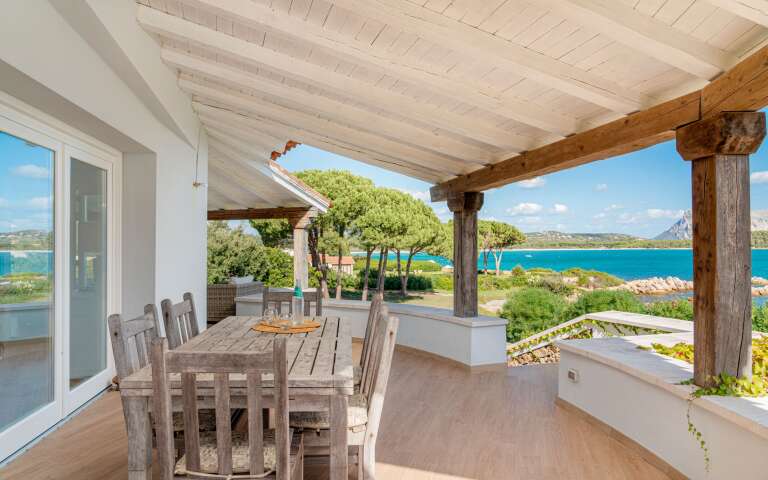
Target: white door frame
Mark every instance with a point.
(28, 123)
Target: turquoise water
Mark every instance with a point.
(629, 264)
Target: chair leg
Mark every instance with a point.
(360, 473)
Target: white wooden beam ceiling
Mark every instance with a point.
(753, 10)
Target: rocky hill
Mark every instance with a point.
(683, 228)
(551, 236)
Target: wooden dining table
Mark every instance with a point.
(320, 378)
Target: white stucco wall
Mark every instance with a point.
(638, 393)
(39, 42)
(475, 342)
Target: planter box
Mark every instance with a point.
(221, 298)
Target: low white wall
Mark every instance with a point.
(637, 393)
(474, 342)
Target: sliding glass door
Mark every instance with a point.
(58, 271)
(29, 372)
(88, 265)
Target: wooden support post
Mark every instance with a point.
(300, 223)
(719, 149)
(465, 207)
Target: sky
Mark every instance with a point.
(641, 193)
(26, 185)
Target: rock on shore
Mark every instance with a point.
(662, 286)
(656, 286)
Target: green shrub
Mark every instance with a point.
(552, 283)
(443, 281)
(518, 271)
(416, 265)
(682, 309)
(531, 310)
(760, 318)
(601, 300)
(592, 278)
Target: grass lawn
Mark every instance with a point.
(438, 298)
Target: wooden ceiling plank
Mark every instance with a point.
(389, 62)
(645, 34)
(172, 27)
(329, 108)
(475, 43)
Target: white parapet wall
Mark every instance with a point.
(638, 393)
(475, 342)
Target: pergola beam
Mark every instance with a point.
(262, 213)
(743, 88)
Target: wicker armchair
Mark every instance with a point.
(221, 298)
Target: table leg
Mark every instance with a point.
(139, 438)
(338, 414)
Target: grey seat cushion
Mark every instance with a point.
(357, 416)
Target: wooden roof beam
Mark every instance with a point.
(261, 213)
(475, 43)
(753, 10)
(643, 33)
(177, 28)
(264, 17)
(743, 88)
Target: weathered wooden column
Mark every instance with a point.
(300, 223)
(719, 148)
(465, 207)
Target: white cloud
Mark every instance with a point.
(418, 195)
(759, 177)
(599, 216)
(627, 218)
(4, 202)
(31, 171)
(525, 209)
(536, 182)
(559, 208)
(613, 206)
(529, 220)
(490, 219)
(659, 213)
(39, 202)
(601, 187)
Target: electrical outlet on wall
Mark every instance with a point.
(573, 375)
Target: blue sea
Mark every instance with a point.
(629, 264)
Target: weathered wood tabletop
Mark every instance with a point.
(319, 377)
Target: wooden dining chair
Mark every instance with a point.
(277, 300)
(132, 349)
(273, 454)
(310, 298)
(364, 407)
(179, 320)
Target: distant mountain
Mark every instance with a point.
(550, 236)
(25, 239)
(683, 228)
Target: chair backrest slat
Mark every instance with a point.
(276, 300)
(372, 355)
(315, 298)
(253, 365)
(384, 352)
(179, 320)
(131, 340)
(373, 316)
